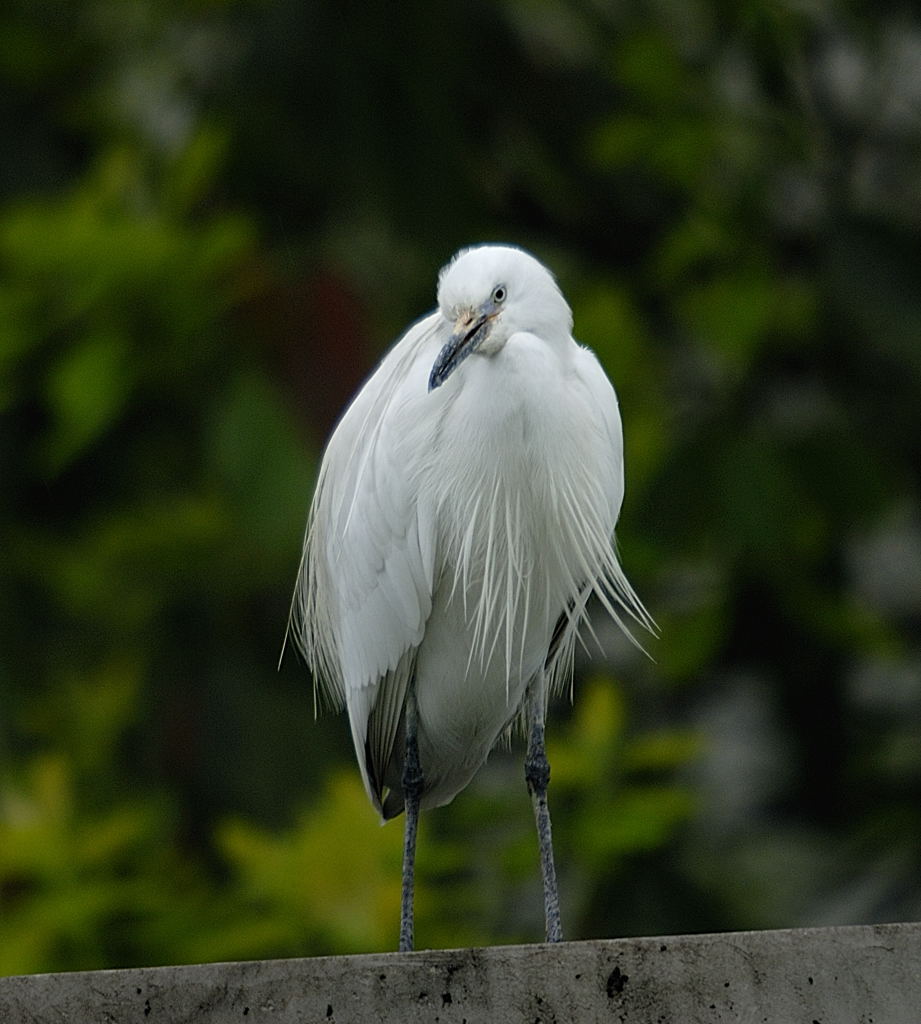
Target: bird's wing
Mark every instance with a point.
(611, 586)
(601, 401)
(366, 583)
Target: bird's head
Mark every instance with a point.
(488, 293)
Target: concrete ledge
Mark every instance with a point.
(860, 975)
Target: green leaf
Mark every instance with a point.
(88, 387)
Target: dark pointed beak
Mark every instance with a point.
(469, 331)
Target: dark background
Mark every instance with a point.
(215, 216)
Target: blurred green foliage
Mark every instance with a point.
(213, 216)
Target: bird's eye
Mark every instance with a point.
(498, 294)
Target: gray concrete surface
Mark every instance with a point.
(861, 975)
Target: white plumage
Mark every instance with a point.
(463, 515)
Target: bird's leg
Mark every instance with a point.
(412, 791)
(537, 776)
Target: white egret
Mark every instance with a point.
(463, 517)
